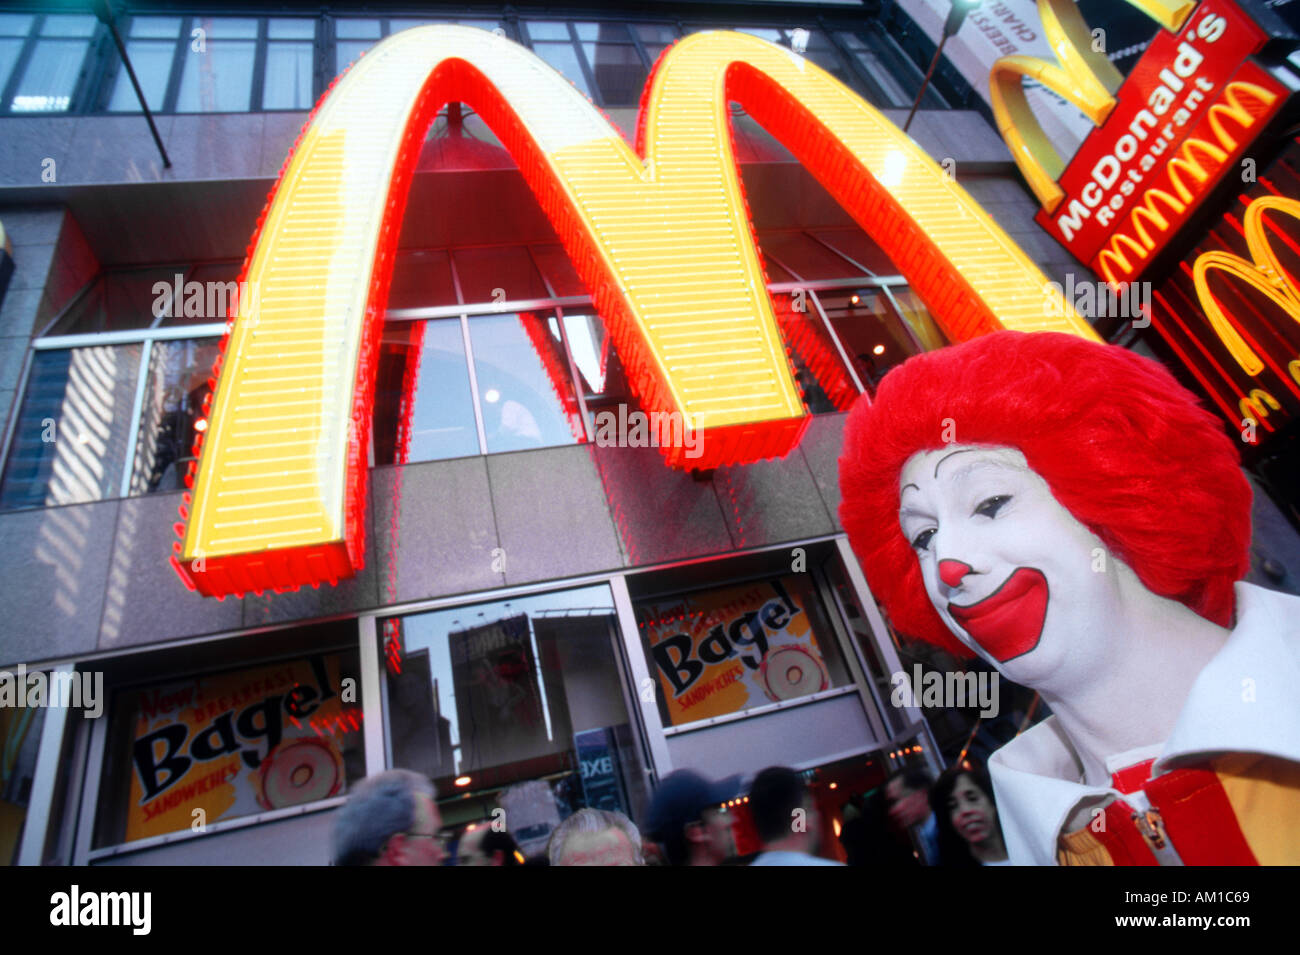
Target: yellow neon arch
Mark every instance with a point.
(664, 244)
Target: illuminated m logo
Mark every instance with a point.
(1083, 76)
(659, 235)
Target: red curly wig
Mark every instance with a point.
(1123, 447)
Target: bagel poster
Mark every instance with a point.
(728, 650)
(234, 744)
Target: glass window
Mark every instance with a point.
(20, 731)
(151, 44)
(919, 319)
(516, 704)
(51, 74)
(232, 744)
(564, 58)
(894, 78)
(356, 29)
(873, 335)
(135, 298)
(283, 28)
(209, 293)
(558, 269)
(396, 25)
(218, 77)
(811, 260)
(548, 30)
(175, 389)
(859, 247)
(655, 38)
(604, 32)
(600, 372)
(424, 408)
(288, 83)
(496, 274)
(13, 34)
(618, 70)
(721, 651)
(421, 279)
(70, 439)
(824, 382)
(524, 391)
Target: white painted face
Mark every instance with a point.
(1010, 571)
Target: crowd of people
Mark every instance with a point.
(393, 819)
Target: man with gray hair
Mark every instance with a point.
(596, 837)
(390, 818)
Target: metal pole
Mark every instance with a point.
(105, 14)
(934, 62)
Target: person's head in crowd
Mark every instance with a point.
(783, 811)
(483, 845)
(596, 837)
(907, 793)
(964, 807)
(688, 818)
(389, 819)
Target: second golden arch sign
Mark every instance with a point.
(660, 236)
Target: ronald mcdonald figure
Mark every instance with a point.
(1067, 511)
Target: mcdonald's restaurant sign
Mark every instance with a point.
(659, 234)
(1182, 120)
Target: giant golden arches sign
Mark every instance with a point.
(1084, 76)
(660, 236)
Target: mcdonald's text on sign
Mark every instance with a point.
(1185, 115)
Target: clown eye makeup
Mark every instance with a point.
(922, 540)
(990, 506)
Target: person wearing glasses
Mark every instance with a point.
(390, 818)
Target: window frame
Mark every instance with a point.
(90, 66)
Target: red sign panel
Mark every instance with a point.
(1185, 115)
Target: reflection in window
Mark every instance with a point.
(488, 697)
(524, 391)
(424, 410)
(219, 77)
(232, 744)
(70, 440)
(173, 402)
(54, 64)
(723, 651)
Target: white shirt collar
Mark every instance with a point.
(1244, 700)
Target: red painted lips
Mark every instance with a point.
(1008, 622)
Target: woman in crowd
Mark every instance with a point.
(967, 815)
